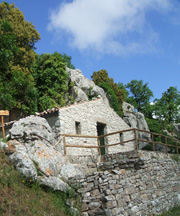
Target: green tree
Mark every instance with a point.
(51, 80)
(141, 94)
(101, 78)
(122, 87)
(167, 108)
(17, 40)
(67, 60)
(112, 97)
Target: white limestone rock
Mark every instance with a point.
(36, 140)
(83, 84)
(136, 120)
(79, 94)
(54, 182)
(176, 128)
(32, 128)
(3, 145)
(70, 171)
(21, 160)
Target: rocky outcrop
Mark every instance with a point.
(31, 149)
(176, 128)
(136, 120)
(84, 89)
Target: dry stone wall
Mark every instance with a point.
(130, 184)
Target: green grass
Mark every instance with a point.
(22, 196)
(172, 212)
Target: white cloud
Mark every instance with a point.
(111, 26)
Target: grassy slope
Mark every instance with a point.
(20, 196)
(172, 212)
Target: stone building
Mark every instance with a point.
(92, 118)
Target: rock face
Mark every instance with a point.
(177, 128)
(84, 89)
(136, 120)
(31, 150)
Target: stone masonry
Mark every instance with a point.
(87, 115)
(130, 184)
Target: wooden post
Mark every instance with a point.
(177, 150)
(64, 140)
(99, 148)
(153, 142)
(136, 140)
(166, 145)
(2, 122)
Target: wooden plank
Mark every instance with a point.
(4, 112)
(119, 143)
(78, 135)
(123, 131)
(80, 146)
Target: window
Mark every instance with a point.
(78, 127)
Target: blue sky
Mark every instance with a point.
(131, 39)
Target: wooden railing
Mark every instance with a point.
(136, 140)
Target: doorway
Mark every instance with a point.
(101, 131)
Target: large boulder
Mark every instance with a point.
(84, 89)
(136, 120)
(35, 134)
(30, 149)
(54, 182)
(32, 128)
(21, 160)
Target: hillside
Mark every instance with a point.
(21, 196)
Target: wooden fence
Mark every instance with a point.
(155, 139)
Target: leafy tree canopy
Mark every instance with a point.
(51, 80)
(101, 77)
(17, 40)
(141, 94)
(167, 108)
(26, 37)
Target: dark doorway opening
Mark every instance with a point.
(101, 131)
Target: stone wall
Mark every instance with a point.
(88, 115)
(130, 184)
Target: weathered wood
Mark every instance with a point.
(2, 122)
(99, 144)
(81, 146)
(166, 145)
(4, 112)
(128, 130)
(58, 142)
(177, 150)
(136, 140)
(78, 135)
(121, 143)
(153, 142)
(64, 140)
